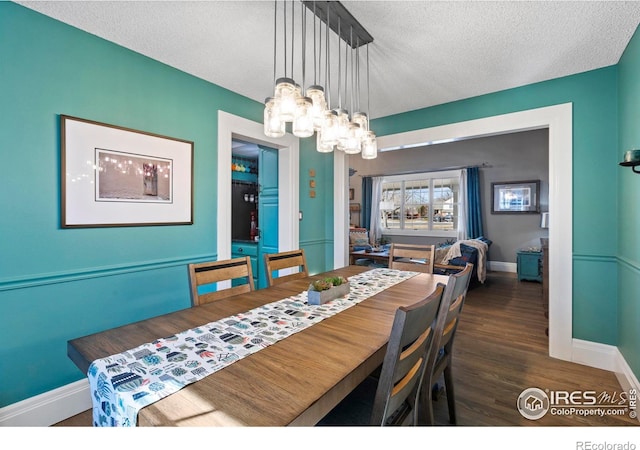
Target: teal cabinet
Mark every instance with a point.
(254, 199)
(530, 265)
(267, 208)
(240, 249)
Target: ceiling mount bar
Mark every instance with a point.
(360, 35)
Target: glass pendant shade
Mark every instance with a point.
(352, 142)
(285, 96)
(316, 94)
(322, 147)
(369, 146)
(273, 126)
(303, 122)
(342, 128)
(343, 123)
(361, 119)
(329, 131)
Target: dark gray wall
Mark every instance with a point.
(510, 157)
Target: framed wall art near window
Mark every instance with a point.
(118, 177)
(513, 197)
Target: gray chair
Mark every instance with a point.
(440, 360)
(397, 390)
(417, 258)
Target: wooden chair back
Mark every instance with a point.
(458, 295)
(417, 258)
(209, 273)
(410, 343)
(286, 260)
(439, 361)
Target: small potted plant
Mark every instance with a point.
(327, 289)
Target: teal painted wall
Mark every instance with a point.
(317, 212)
(594, 97)
(629, 211)
(58, 284)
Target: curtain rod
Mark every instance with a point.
(442, 169)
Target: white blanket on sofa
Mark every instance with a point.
(454, 252)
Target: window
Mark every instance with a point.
(425, 204)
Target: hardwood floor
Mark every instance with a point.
(500, 350)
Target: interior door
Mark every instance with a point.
(267, 207)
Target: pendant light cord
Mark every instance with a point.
(284, 28)
(352, 78)
(303, 18)
(315, 46)
(328, 51)
(339, 68)
(346, 77)
(275, 37)
(358, 74)
(368, 87)
(293, 30)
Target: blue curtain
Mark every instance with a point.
(366, 202)
(474, 206)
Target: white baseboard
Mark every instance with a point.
(48, 408)
(606, 357)
(501, 266)
(593, 354)
(60, 404)
(625, 375)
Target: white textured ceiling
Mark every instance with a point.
(424, 52)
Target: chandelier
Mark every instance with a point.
(309, 109)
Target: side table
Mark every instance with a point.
(529, 265)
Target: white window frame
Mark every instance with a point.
(424, 176)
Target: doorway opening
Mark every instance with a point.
(230, 128)
(254, 205)
(559, 120)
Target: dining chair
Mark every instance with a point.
(397, 392)
(285, 260)
(204, 276)
(417, 258)
(440, 360)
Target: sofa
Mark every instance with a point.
(452, 257)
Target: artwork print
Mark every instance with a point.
(516, 197)
(127, 177)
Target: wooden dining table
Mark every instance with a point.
(294, 382)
